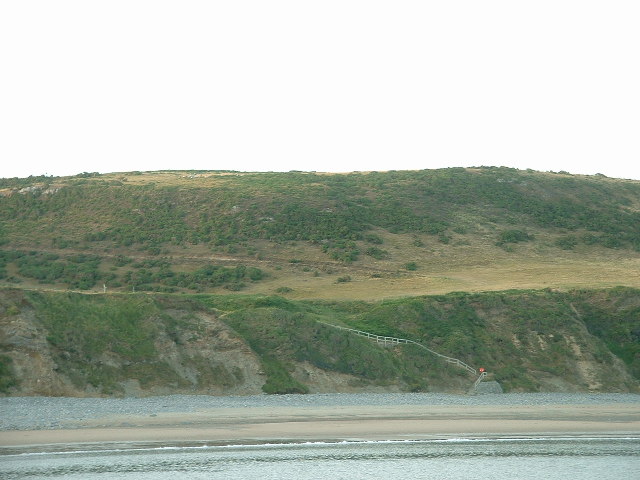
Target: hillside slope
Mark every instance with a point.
(125, 344)
(311, 235)
(228, 283)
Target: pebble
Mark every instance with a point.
(50, 413)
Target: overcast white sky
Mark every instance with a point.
(326, 85)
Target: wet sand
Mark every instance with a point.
(343, 423)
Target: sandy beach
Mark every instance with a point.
(342, 423)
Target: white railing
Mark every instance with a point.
(398, 341)
(480, 378)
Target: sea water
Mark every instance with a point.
(564, 458)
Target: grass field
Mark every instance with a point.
(491, 269)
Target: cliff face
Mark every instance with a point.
(24, 343)
(94, 345)
(191, 352)
(206, 359)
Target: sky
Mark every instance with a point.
(336, 86)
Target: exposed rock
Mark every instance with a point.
(488, 387)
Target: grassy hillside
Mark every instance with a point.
(532, 275)
(311, 235)
(115, 344)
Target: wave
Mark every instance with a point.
(136, 447)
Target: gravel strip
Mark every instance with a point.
(45, 413)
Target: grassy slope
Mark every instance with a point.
(302, 230)
(528, 340)
(336, 241)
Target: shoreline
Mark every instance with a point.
(301, 424)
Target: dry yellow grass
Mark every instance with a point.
(472, 278)
(471, 266)
(445, 268)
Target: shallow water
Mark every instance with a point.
(599, 458)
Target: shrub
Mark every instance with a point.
(513, 236)
(7, 376)
(278, 379)
(373, 238)
(567, 243)
(377, 253)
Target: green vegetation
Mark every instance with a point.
(209, 235)
(613, 316)
(377, 253)
(82, 330)
(568, 242)
(84, 271)
(290, 333)
(209, 276)
(80, 271)
(513, 236)
(331, 211)
(167, 231)
(521, 337)
(91, 325)
(7, 375)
